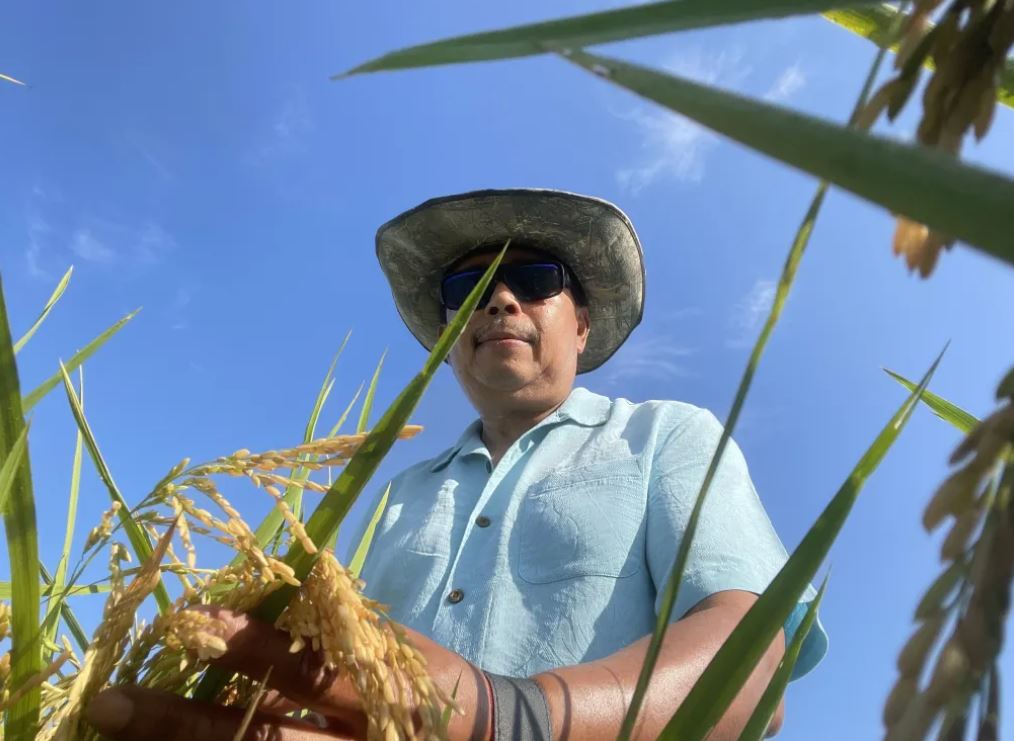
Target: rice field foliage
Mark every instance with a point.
(947, 670)
(282, 570)
(874, 23)
(46, 684)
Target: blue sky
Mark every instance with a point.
(194, 159)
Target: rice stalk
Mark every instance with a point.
(968, 49)
(110, 638)
(965, 609)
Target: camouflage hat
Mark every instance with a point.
(591, 236)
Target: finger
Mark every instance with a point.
(254, 646)
(131, 713)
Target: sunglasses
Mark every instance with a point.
(531, 281)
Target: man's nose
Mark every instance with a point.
(502, 300)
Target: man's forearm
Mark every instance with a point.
(588, 701)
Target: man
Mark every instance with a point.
(528, 558)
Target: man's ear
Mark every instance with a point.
(583, 327)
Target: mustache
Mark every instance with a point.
(504, 329)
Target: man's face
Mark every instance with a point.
(513, 346)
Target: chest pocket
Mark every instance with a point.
(583, 521)
(423, 525)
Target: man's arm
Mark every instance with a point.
(588, 701)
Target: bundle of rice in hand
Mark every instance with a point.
(328, 614)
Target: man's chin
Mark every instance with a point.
(504, 377)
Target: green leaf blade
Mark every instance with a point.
(757, 726)
(944, 409)
(138, 538)
(271, 525)
(12, 463)
(359, 557)
(57, 293)
(58, 596)
(76, 359)
(22, 718)
(732, 665)
(595, 28)
(964, 201)
(364, 414)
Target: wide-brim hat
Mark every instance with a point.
(594, 238)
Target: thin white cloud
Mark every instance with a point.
(146, 146)
(152, 243)
(675, 147)
(88, 247)
(676, 150)
(57, 237)
(177, 308)
(749, 312)
(156, 164)
(38, 232)
(649, 355)
(790, 82)
(293, 120)
(286, 133)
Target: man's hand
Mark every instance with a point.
(297, 680)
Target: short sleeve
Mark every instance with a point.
(735, 546)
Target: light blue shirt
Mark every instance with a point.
(558, 554)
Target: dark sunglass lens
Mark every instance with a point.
(536, 281)
(455, 288)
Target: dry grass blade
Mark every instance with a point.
(34, 682)
(8, 78)
(252, 707)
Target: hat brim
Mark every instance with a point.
(594, 238)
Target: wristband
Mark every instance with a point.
(520, 712)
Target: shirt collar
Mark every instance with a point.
(581, 407)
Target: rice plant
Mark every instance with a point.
(304, 591)
(282, 570)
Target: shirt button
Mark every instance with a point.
(455, 596)
(482, 521)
